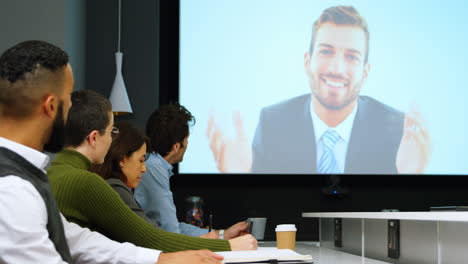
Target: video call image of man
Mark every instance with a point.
(333, 129)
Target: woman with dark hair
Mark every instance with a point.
(124, 164)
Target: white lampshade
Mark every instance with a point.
(119, 97)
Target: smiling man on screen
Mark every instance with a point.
(333, 129)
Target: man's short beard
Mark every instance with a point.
(57, 136)
(336, 107)
(356, 91)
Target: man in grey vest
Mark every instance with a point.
(36, 81)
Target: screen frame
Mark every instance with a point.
(169, 92)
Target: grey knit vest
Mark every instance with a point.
(13, 164)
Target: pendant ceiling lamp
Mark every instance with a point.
(119, 97)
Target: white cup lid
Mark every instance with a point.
(282, 228)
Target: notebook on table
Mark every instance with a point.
(265, 255)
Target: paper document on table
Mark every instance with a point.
(264, 255)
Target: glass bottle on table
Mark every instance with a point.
(194, 213)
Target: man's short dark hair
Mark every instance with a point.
(341, 15)
(89, 112)
(167, 126)
(29, 70)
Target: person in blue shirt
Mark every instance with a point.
(168, 132)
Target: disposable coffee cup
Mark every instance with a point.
(286, 236)
(257, 227)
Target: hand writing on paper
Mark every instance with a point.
(230, 155)
(190, 257)
(246, 242)
(415, 146)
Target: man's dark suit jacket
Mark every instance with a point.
(284, 141)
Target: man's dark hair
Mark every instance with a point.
(128, 141)
(89, 112)
(167, 126)
(341, 15)
(28, 71)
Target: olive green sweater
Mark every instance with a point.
(86, 199)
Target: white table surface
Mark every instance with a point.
(325, 255)
(422, 216)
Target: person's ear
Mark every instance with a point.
(306, 61)
(367, 68)
(176, 147)
(50, 105)
(92, 138)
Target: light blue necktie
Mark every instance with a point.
(327, 162)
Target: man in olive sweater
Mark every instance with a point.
(86, 199)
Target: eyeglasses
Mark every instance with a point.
(114, 132)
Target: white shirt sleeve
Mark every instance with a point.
(92, 247)
(24, 237)
(23, 219)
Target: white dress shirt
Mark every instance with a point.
(23, 218)
(343, 129)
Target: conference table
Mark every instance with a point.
(321, 255)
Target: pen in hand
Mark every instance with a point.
(210, 222)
